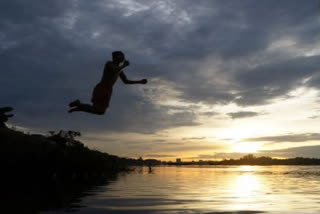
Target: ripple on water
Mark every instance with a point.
(211, 190)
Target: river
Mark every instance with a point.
(208, 189)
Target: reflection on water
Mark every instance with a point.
(222, 189)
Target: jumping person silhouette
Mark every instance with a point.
(102, 92)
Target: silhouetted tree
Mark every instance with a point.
(4, 116)
(65, 138)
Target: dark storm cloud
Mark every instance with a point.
(146, 117)
(240, 31)
(243, 114)
(54, 51)
(288, 138)
(48, 64)
(277, 79)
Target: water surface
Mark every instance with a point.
(209, 189)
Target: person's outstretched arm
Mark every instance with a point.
(125, 80)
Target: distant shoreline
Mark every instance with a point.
(251, 160)
(238, 165)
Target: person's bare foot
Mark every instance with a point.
(74, 103)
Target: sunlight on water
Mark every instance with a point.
(245, 185)
(228, 189)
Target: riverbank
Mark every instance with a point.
(51, 172)
(56, 157)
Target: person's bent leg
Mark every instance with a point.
(100, 109)
(88, 108)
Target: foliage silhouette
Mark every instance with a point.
(4, 116)
(51, 172)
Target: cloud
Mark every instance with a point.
(159, 156)
(273, 80)
(159, 140)
(193, 138)
(208, 156)
(296, 138)
(304, 151)
(243, 114)
(208, 113)
(204, 53)
(314, 117)
(169, 148)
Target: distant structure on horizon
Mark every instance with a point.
(178, 160)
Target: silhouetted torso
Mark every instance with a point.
(110, 75)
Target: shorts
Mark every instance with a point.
(101, 96)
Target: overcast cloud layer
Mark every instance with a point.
(207, 52)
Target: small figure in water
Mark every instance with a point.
(102, 92)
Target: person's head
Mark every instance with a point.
(118, 57)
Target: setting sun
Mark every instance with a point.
(246, 147)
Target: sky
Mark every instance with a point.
(225, 78)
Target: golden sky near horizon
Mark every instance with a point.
(225, 78)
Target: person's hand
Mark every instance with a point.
(144, 81)
(126, 63)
